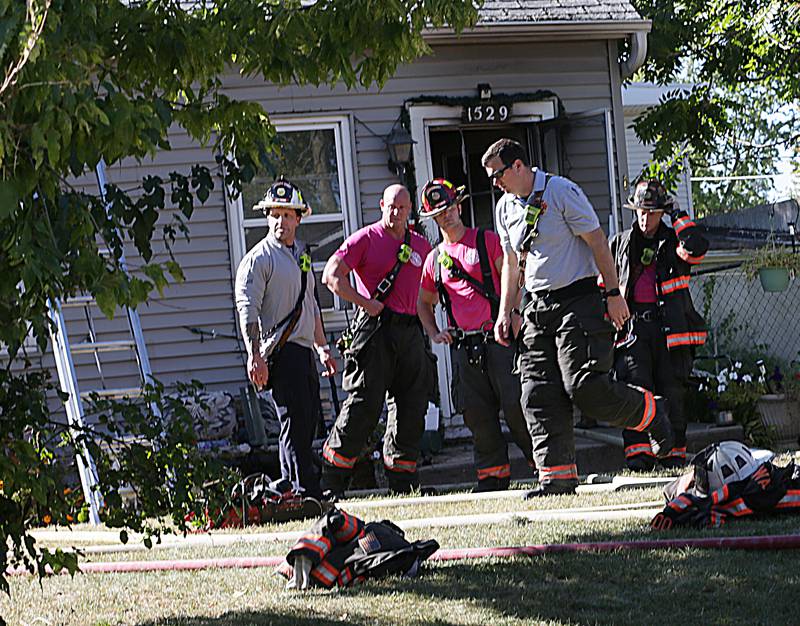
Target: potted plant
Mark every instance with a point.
(774, 265)
(780, 411)
(733, 396)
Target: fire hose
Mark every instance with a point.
(767, 542)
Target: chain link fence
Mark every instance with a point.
(744, 321)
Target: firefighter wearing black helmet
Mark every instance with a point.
(281, 325)
(653, 262)
(463, 275)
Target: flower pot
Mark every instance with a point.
(774, 278)
(782, 416)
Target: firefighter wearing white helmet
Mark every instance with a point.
(463, 275)
(653, 262)
(282, 328)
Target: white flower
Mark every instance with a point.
(721, 388)
(746, 378)
(738, 365)
(734, 376)
(722, 377)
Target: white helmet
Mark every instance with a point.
(283, 195)
(722, 463)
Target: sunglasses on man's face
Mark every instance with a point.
(498, 174)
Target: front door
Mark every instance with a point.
(456, 155)
(447, 147)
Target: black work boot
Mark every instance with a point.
(333, 483)
(660, 429)
(641, 463)
(493, 484)
(551, 488)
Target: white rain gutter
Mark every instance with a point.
(636, 54)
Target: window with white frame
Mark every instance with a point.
(315, 155)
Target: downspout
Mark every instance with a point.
(637, 52)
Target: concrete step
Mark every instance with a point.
(454, 464)
(597, 450)
(698, 436)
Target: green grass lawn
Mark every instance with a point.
(624, 587)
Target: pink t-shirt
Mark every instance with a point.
(644, 291)
(371, 253)
(470, 309)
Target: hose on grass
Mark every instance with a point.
(767, 542)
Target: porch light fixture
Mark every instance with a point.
(399, 144)
(485, 91)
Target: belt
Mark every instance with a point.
(644, 311)
(461, 337)
(581, 287)
(649, 315)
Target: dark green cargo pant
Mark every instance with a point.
(565, 357)
(480, 390)
(393, 364)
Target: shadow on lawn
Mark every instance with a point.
(710, 587)
(248, 618)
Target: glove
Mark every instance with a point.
(300, 576)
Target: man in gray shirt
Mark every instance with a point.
(553, 244)
(282, 328)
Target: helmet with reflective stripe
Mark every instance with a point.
(439, 195)
(283, 195)
(722, 463)
(650, 195)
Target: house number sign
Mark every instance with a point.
(486, 113)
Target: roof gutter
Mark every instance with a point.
(561, 30)
(637, 51)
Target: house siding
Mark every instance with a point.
(577, 71)
(639, 154)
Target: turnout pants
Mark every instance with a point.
(566, 356)
(295, 389)
(649, 364)
(481, 387)
(393, 365)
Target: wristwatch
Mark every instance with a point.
(613, 292)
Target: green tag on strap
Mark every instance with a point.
(404, 254)
(305, 262)
(445, 260)
(532, 214)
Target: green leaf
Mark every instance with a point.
(9, 200)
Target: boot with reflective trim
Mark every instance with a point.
(641, 463)
(493, 483)
(660, 430)
(551, 488)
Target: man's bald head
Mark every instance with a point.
(395, 207)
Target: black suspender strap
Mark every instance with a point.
(444, 297)
(486, 272)
(484, 287)
(533, 213)
(294, 315)
(403, 255)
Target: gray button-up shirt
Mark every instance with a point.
(558, 256)
(267, 288)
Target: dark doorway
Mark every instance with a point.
(456, 155)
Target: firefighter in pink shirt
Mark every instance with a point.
(463, 274)
(386, 359)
